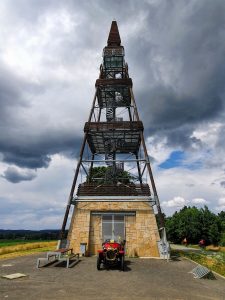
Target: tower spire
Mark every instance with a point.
(114, 35)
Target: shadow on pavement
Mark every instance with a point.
(175, 258)
(62, 264)
(117, 268)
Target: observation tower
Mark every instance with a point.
(113, 190)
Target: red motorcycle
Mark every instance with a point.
(111, 254)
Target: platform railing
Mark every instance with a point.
(95, 189)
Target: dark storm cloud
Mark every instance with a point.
(165, 108)
(181, 137)
(222, 183)
(20, 143)
(30, 153)
(10, 94)
(13, 175)
(28, 160)
(175, 51)
(180, 60)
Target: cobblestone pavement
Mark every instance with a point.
(142, 279)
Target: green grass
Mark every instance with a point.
(193, 246)
(5, 243)
(214, 261)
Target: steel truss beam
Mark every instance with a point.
(113, 160)
(153, 200)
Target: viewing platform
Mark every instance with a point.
(94, 189)
(114, 91)
(125, 136)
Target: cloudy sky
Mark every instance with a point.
(50, 52)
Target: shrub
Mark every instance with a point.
(222, 239)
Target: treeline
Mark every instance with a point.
(195, 224)
(29, 234)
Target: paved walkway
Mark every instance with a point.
(183, 248)
(143, 279)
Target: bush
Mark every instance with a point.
(222, 239)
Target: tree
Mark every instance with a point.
(99, 175)
(195, 224)
(185, 223)
(207, 218)
(214, 234)
(221, 220)
(221, 225)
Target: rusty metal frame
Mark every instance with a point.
(161, 218)
(107, 78)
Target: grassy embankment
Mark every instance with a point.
(212, 257)
(14, 248)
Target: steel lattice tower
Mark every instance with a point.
(113, 138)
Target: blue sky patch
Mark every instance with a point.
(175, 160)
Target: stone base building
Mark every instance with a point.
(93, 222)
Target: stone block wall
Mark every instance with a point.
(95, 235)
(141, 230)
